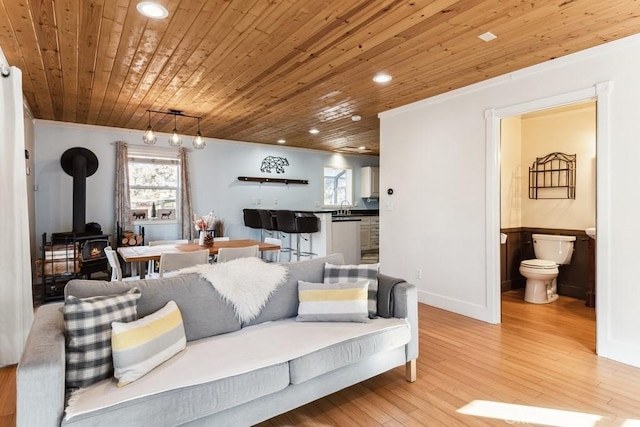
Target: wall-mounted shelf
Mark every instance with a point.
(263, 179)
(553, 177)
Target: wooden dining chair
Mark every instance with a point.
(153, 266)
(114, 263)
(168, 242)
(214, 258)
(227, 254)
(172, 261)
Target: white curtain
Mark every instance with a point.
(16, 300)
(185, 198)
(123, 205)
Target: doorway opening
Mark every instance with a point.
(601, 93)
(548, 188)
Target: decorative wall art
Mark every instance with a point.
(166, 214)
(138, 214)
(273, 162)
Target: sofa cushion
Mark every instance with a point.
(283, 303)
(141, 345)
(396, 334)
(333, 302)
(204, 311)
(353, 273)
(203, 379)
(181, 405)
(87, 323)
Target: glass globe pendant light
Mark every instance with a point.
(149, 137)
(175, 140)
(198, 141)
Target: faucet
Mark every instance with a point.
(342, 210)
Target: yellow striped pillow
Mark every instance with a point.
(333, 302)
(140, 346)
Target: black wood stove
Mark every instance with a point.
(88, 239)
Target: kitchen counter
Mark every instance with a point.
(344, 218)
(357, 212)
(345, 239)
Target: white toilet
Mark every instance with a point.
(551, 252)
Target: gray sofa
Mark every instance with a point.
(243, 399)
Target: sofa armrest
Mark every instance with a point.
(40, 378)
(399, 299)
(405, 304)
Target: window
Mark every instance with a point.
(338, 186)
(154, 182)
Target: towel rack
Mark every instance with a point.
(553, 177)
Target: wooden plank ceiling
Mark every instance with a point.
(263, 70)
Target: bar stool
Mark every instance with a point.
(268, 222)
(306, 223)
(286, 221)
(252, 219)
(297, 223)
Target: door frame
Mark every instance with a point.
(600, 92)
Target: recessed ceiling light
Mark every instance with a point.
(356, 118)
(362, 147)
(314, 131)
(382, 78)
(488, 36)
(281, 141)
(152, 10)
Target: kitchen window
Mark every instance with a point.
(154, 185)
(338, 186)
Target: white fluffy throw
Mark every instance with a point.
(246, 283)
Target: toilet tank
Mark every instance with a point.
(553, 247)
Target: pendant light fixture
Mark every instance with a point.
(150, 138)
(198, 141)
(175, 140)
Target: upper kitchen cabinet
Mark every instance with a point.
(370, 182)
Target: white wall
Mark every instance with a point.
(214, 173)
(571, 130)
(434, 155)
(511, 175)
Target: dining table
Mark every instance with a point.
(143, 254)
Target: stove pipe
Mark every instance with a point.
(80, 163)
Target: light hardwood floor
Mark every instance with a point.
(540, 357)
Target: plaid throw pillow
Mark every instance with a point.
(354, 273)
(87, 323)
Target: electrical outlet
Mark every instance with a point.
(418, 273)
(259, 201)
(275, 201)
(254, 201)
